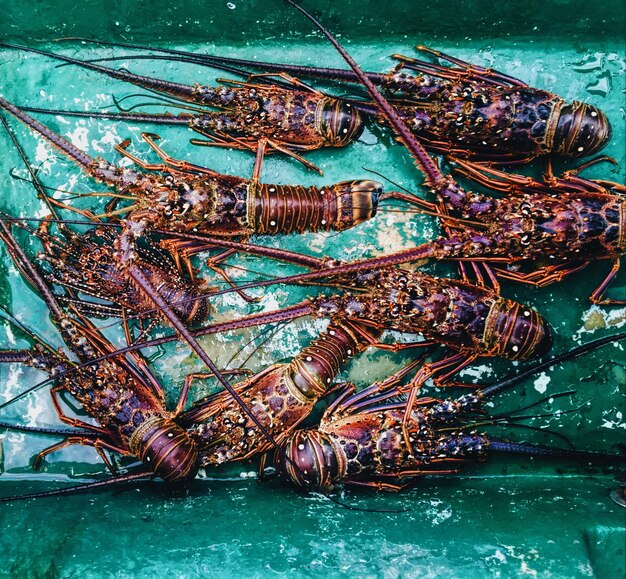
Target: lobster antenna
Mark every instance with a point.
(190, 59)
(79, 488)
(535, 368)
(47, 431)
(539, 450)
(324, 73)
(514, 413)
(422, 158)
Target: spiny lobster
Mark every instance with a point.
(359, 440)
(463, 110)
(296, 118)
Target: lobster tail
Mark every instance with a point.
(581, 130)
(315, 456)
(517, 332)
(165, 449)
(338, 122)
(292, 208)
(316, 366)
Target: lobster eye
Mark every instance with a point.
(339, 122)
(581, 130)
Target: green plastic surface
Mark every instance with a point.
(510, 517)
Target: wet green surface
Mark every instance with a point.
(507, 518)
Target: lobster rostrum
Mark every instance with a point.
(359, 440)
(463, 110)
(296, 118)
(571, 219)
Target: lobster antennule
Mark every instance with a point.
(489, 391)
(155, 118)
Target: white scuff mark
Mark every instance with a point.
(541, 383)
(317, 242)
(62, 120)
(499, 556)
(78, 137)
(63, 189)
(270, 302)
(442, 516)
(597, 318)
(524, 569)
(10, 335)
(41, 213)
(12, 383)
(477, 372)
(44, 156)
(612, 420)
(390, 239)
(109, 137)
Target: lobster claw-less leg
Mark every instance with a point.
(556, 273)
(465, 70)
(181, 251)
(543, 276)
(596, 296)
(221, 139)
(399, 480)
(98, 443)
(184, 394)
(451, 365)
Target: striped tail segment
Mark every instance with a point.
(277, 209)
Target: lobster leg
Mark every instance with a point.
(465, 70)
(596, 296)
(456, 362)
(170, 162)
(97, 443)
(54, 391)
(542, 276)
(184, 394)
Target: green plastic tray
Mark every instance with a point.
(507, 518)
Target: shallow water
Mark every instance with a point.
(508, 517)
